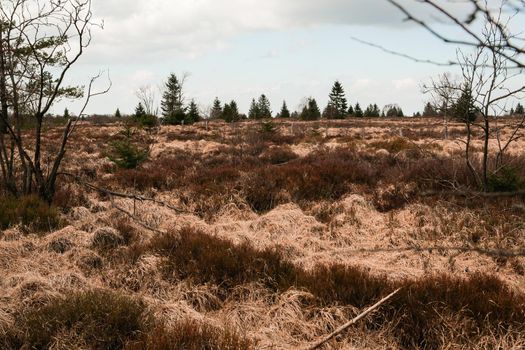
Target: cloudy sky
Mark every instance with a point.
(239, 49)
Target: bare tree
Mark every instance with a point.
(499, 16)
(147, 95)
(40, 41)
(444, 91)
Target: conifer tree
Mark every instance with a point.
(311, 110)
(230, 112)
(254, 112)
(216, 110)
(331, 112)
(193, 114)
(66, 114)
(358, 112)
(285, 113)
(117, 113)
(172, 107)
(264, 107)
(519, 109)
(338, 100)
(350, 110)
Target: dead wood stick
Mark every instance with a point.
(138, 197)
(353, 321)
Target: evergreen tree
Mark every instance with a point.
(254, 112)
(331, 112)
(519, 109)
(372, 111)
(311, 110)
(142, 118)
(193, 114)
(216, 110)
(117, 113)
(429, 110)
(172, 107)
(358, 112)
(350, 110)
(140, 111)
(464, 109)
(66, 114)
(285, 113)
(230, 112)
(264, 107)
(338, 100)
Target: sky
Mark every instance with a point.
(239, 49)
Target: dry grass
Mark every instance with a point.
(282, 237)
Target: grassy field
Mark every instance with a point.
(267, 235)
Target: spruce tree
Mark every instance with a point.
(331, 112)
(230, 112)
(254, 112)
(338, 100)
(66, 114)
(172, 107)
(193, 115)
(285, 113)
(311, 110)
(358, 112)
(350, 110)
(216, 110)
(264, 107)
(140, 112)
(117, 113)
(519, 109)
(464, 109)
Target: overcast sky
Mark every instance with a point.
(239, 49)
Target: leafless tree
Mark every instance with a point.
(497, 14)
(444, 91)
(147, 95)
(40, 41)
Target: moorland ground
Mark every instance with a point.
(267, 235)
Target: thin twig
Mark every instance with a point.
(353, 321)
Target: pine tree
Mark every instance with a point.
(519, 109)
(230, 112)
(140, 111)
(429, 110)
(66, 114)
(358, 112)
(311, 110)
(193, 114)
(216, 110)
(338, 100)
(117, 113)
(372, 111)
(254, 112)
(464, 109)
(264, 107)
(331, 112)
(172, 107)
(350, 110)
(285, 113)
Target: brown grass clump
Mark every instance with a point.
(191, 335)
(101, 319)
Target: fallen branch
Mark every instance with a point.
(134, 218)
(353, 321)
(124, 195)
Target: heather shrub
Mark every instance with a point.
(29, 211)
(191, 335)
(102, 319)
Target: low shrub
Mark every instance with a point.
(102, 319)
(126, 151)
(29, 211)
(507, 179)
